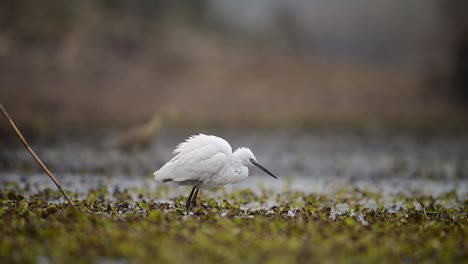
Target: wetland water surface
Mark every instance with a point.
(311, 163)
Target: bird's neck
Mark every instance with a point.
(235, 162)
(237, 171)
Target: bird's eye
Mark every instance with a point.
(252, 160)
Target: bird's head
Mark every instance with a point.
(247, 158)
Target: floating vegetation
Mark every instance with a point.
(114, 227)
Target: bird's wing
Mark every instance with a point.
(201, 140)
(196, 164)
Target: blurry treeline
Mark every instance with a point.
(115, 62)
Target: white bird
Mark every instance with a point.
(204, 161)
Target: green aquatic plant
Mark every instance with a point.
(114, 227)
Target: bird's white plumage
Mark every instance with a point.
(198, 161)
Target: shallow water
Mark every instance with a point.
(318, 163)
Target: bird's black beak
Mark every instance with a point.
(263, 169)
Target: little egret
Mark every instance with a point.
(204, 161)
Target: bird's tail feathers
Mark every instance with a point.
(163, 178)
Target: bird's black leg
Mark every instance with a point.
(189, 200)
(194, 198)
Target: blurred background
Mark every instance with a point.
(98, 64)
(322, 91)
